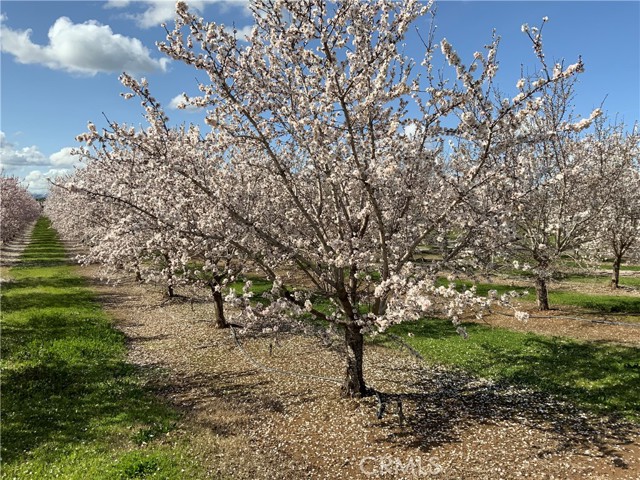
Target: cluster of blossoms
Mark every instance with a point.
(18, 208)
(317, 174)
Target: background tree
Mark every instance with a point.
(156, 223)
(619, 236)
(18, 208)
(554, 187)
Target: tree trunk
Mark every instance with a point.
(138, 275)
(218, 305)
(615, 275)
(354, 385)
(542, 294)
(170, 292)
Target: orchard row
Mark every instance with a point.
(331, 160)
(18, 208)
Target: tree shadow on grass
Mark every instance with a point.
(40, 262)
(540, 390)
(65, 380)
(68, 385)
(600, 377)
(40, 282)
(630, 305)
(79, 299)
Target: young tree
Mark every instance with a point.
(623, 222)
(620, 223)
(347, 180)
(555, 189)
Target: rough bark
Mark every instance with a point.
(542, 294)
(354, 385)
(218, 306)
(615, 274)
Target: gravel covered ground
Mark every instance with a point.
(246, 422)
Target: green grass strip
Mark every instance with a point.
(599, 377)
(72, 407)
(602, 280)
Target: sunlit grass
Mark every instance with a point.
(606, 266)
(72, 407)
(601, 378)
(625, 281)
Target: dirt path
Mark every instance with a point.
(10, 252)
(567, 322)
(246, 423)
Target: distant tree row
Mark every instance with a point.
(333, 160)
(18, 208)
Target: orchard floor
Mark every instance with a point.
(10, 252)
(573, 323)
(248, 423)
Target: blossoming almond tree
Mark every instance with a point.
(112, 233)
(343, 139)
(620, 222)
(18, 208)
(163, 226)
(559, 186)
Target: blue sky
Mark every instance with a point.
(61, 61)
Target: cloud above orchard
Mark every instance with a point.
(64, 158)
(31, 165)
(12, 156)
(157, 12)
(37, 182)
(85, 48)
(178, 103)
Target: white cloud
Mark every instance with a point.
(37, 182)
(179, 100)
(410, 130)
(33, 166)
(161, 11)
(86, 48)
(117, 3)
(156, 13)
(64, 158)
(12, 156)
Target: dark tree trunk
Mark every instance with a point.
(615, 275)
(354, 385)
(218, 305)
(169, 276)
(542, 294)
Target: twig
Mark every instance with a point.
(261, 366)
